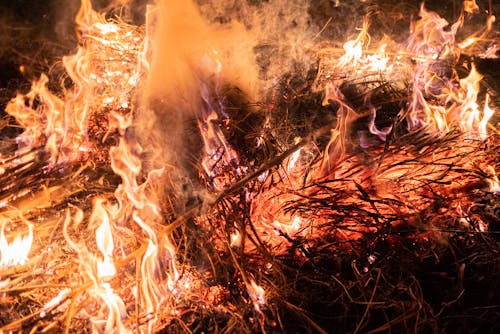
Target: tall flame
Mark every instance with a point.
(105, 71)
(104, 239)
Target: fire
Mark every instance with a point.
(236, 239)
(358, 58)
(115, 309)
(257, 294)
(219, 155)
(470, 6)
(105, 73)
(487, 115)
(492, 180)
(104, 239)
(14, 252)
(439, 102)
(126, 240)
(439, 105)
(43, 123)
(289, 229)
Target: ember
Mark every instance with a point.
(223, 167)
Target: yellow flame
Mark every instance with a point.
(487, 114)
(104, 73)
(467, 42)
(104, 238)
(469, 113)
(41, 114)
(354, 48)
(15, 252)
(150, 291)
(493, 183)
(115, 309)
(290, 228)
(235, 239)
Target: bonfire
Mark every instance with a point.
(167, 179)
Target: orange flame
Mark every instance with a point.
(470, 6)
(104, 72)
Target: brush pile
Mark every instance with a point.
(360, 195)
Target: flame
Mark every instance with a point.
(236, 239)
(492, 180)
(430, 39)
(381, 134)
(335, 149)
(257, 294)
(291, 228)
(135, 202)
(104, 238)
(219, 154)
(359, 59)
(42, 123)
(104, 71)
(107, 69)
(487, 114)
(467, 43)
(115, 309)
(470, 6)
(15, 252)
(150, 292)
(292, 161)
(354, 48)
(438, 102)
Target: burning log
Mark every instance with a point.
(360, 194)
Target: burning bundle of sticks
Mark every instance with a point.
(359, 194)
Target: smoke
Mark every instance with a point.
(189, 52)
(199, 50)
(283, 32)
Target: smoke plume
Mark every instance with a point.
(200, 49)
